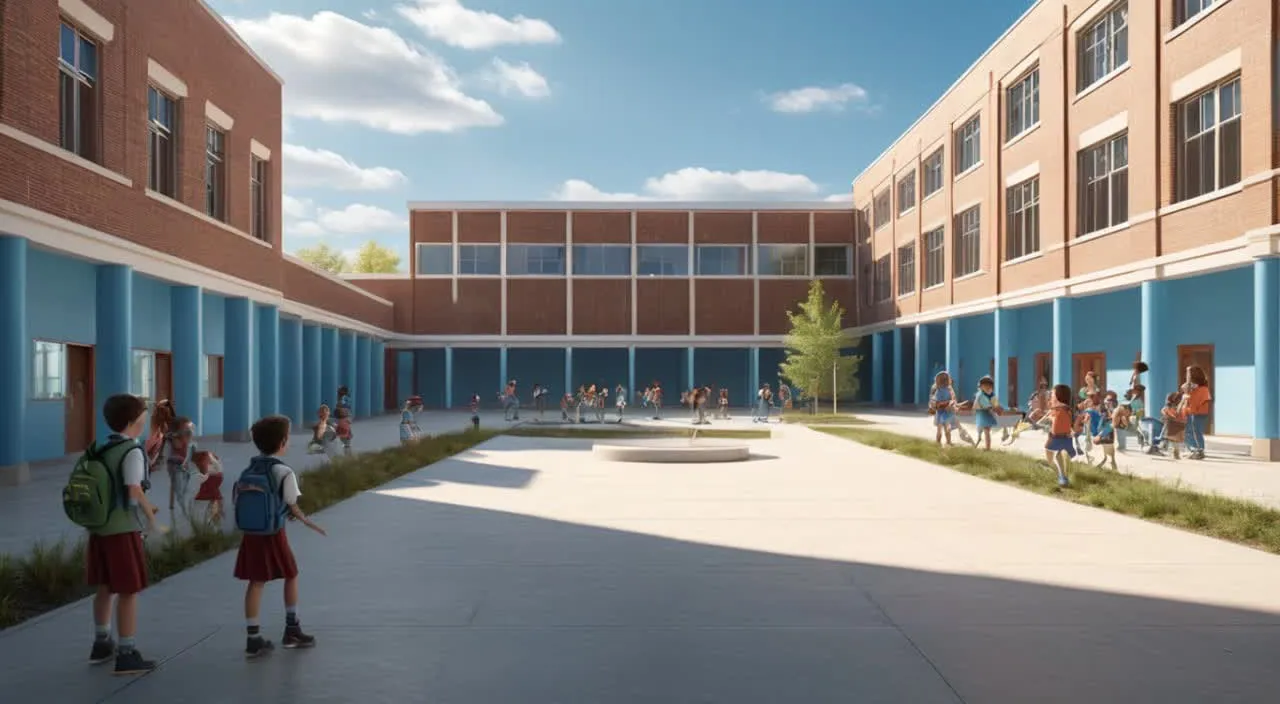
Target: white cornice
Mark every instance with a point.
(628, 205)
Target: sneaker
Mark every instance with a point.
(103, 651)
(295, 638)
(1062, 481)
(132, 663)
(257, 646)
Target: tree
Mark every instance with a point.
(813, 347)
(373, 258)
(322, 256)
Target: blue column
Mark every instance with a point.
(363, 399)
(113, 349)
(187, 325)
(329, 366)
(878, 367)
(899, 364)
(568, 370)
(1006, 334)
(923, 371)
(347, 363)
(753, 368)
(406, 383)
(237, 371)
(953, 356)
(693, 378)
(502, 367)
(631, 373)
(378, 354)
(268, 360)
(1157, 349)
(1266, 358)
(448, 377)
(1062, 345)
(291, 365)
(15, 344)
(312, 378)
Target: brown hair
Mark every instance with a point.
(1197, 375)
(121, 410)
(162, 416)
(270, 434)
(1062, 394)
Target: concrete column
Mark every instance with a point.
(1006, 334)
(362, 394)
(693, 378)
(347, 364)
(329, 366)
(952, 362)
(1157, 349)
(1266, 358)
(268, 360)
(923, 372)
(568, 370)
(113, 349)
(631, 373)
(378, 355)
(448, 377)
(187, 326)
(291, 365)
(502, 367)
(899, 364)
(237, 377)
(15, 346)
(1062, 345)
(312, 377)
(878, 367)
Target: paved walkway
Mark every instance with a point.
(821, 571)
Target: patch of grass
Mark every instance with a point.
(800, 418)
(527, 431)
(49, 576)
(1217, 516)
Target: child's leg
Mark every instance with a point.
(987, 436)
(255, 645)
(1060, 464)
(1109, 453)
(937, 435)
(293, 635)
(126, 618)
(102, 614)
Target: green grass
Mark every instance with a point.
(562, 431)
(802, 418)
(1217, 516)
(51, 575)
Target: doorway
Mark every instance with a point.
(1011, 382)
(1043, 369)
(1086, 362)
(391, 382)
(1197, 356)
(79, 413)
(164, 377)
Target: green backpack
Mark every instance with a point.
(94, 489)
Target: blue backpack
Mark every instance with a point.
(259, 501)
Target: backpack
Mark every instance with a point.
(259, 501)
(94, 490)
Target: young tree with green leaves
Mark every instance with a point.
(324, 257)
(813, 348)
(373, 258)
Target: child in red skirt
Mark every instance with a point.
(266, 558)
(210, 492)
(115, 561)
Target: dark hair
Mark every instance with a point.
(986, 381)
(162, 416)
(121, 410)
(1198, 376)
(1172, 399)
(270, 434)
(343, 391)
(177, 424)
(1062, 394)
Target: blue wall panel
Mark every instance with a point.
(977, 345)
(215, 337)
(60, 298)
(402, 366)
(725, 368)
(665, 365)
(863, 351)
(538, 365)
(428, 377)
(1035, 336)
(475, 371)
(1217, 309)
(604, 366)
(1109, 323)
(152, 314)
(770, 358)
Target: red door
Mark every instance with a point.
(80, 411)
(164, 377)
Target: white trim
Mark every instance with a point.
(259, 150)
(631, 206)
(1018, 72)
(1182, 28)
(970, 275)
(1091, 13)
(1202, 199)
(1107, 128)
(165, 80)
(69, 157)
(1024, 258)
(966, 172)
(183, 207)
(243, 44)
(1198, 79)
(907, 212)
(569, 341)
(88, 19)
(339, 280)
(358, 276)
(940, 222)
(1027, 172)
(1021, 135)
(958, 208)
(218, 117)
(1260, 177)
(1100, 82)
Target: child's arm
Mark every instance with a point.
(291, 495)
(134, 469)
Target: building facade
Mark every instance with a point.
(1101, 186)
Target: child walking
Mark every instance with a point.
(620, 400)
(942, 406)
(1062, 425)
(1104, 431)
(266, 494)
(986, 406)
(722, 405)
(409, 430)
(1175, 424)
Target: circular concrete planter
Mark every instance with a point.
(671, 451)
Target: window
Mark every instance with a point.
(48, 370)
(883, 203)
(535, 260)
(1104, 185)
(435, 259)
(722, 260)
(78, 93)
(1209, 141)
(968, 253)
(1103, 46)
(162, 162)
(969, 144)
(933, 173)
(1022, 233)
(662, 260)
(884, 282)
(143, 378)
(258, 198)
(832, 260)
(907, 269)
(479, 259)
(215, 191)
(211, 381)
(783, 259)
(1023, 99)
(601, 260)
(906, 193)
(935, 259)
(1184, 10)
(870, 284)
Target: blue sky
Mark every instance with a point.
(388, 101)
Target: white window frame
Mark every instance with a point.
(1105, 154)
(587, 248)
(968, 147)
(259, 170)
(846, 250)
(1023, 104)
(534, 262)
(1022, 222)
(48, 356)
(744, 258)
(907, 193)
(78, 138)
(882, 205)
(142, 377)
(1186, 10)
(932, 180)
(1106, 37)
(967, 257)
(677, 266)
(787, 264)
(215, 172)
(935, 256)
(1208, 104)
(883, 276)
(907, 269)
(170, 134)
(472, 262)
(420, 247)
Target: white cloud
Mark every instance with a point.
(303, 219)
(321, 168)
(815, 98)
(448, 21)
(516, 78)
(695, 183)
(339, 70)
(840, 198)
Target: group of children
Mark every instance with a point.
(333, 426)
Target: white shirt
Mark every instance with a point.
(288, 482)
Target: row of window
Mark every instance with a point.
(80, 99)
(650, 260)
(49, 373)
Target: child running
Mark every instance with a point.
(1104, 431)
(942, 406)
(986, 407)
(620, 400)
(1062, 425)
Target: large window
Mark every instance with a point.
(969, 144)
(258, 198)
(906, 192)
(48, 370)
(1104, 185)
(1103, 46)
(935, 257)
(832, 260)
(1209, 141)
(1184, 10)
(78, 93)
(1023, 99)
(884, 279)
(784, 260)
(883, 207)
(435, 259)
(1022, 232)
(662, 260)
(722, 260)
(968, 251)
(143, 379)
(601, 260)
(215, 174)
(906, 269)
(162, 136)
(211, 380)
(480, 259)
(933, 173)
(535, 260)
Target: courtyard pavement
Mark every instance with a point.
(820, 571)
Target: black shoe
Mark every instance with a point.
(295, 638)
(131, 662)
(257, 646)
(103, 651)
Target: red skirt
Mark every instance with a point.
(211, 489)
(263, 558)
(117, 562)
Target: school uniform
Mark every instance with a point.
(114, 556)
(1060, 436)
(264, 558)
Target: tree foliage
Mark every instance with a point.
(814, 345)
(322, 256)
(373, 258)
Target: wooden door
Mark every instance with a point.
(1044, 370)
(1086, 362)
(1011, 384)
(80, 410)
(1196, 356)
(164, 378)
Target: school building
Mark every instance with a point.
(1101, 186)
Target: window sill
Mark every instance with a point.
(1023, 259)
(1099, 234)
(878, 228)
(1202, 199)
(931, 195)
(905, 296)
(1021, 135)
(183, 207)
(934, 287)
(1101, 82)
(828, 276)
(969, 276)
(69, 157)
(966, 172)
(1188, 24)
(907, 212)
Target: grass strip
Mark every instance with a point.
(1214, 515)
(606, 432)
(51, 575)
(823, 419)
